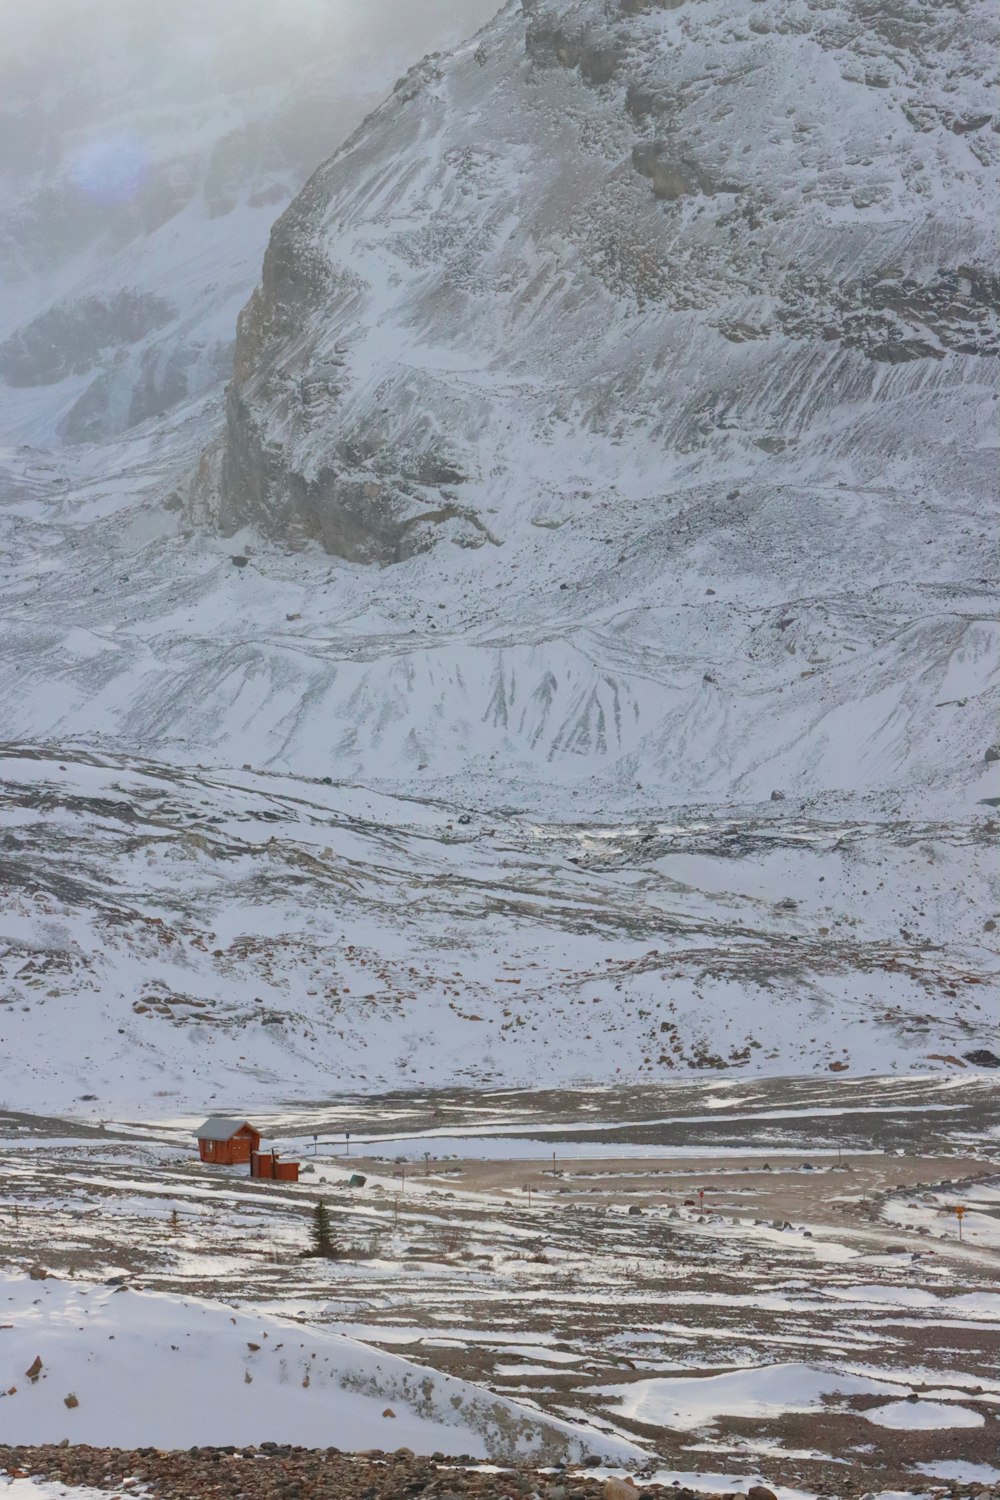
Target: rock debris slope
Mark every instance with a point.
(673, 329)
(196, 937)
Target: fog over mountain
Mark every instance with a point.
(144, 152)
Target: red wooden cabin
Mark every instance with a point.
(227, 1142)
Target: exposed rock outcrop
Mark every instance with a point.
(707, 230)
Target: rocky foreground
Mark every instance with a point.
(275, 1471)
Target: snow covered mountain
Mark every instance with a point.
(144, 153)
(604, 508)
(612, 253)
(671, 332)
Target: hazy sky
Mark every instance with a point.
(117, 115)
(121, 120)
(51, 33)
(69, 66)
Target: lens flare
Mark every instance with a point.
(111, 169)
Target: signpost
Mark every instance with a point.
(959, 1212)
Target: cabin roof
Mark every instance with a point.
(221, 1128)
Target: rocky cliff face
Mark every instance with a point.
(620, 246)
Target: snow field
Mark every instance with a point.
(148, 1369)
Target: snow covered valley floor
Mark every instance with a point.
(547, 1258)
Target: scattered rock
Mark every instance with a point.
(777, 796)
(281, 1471)
(34, 1369)
(992, 753)
(760, 1492)
(70, 1401)
(388, 1412)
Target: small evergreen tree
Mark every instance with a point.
(322, 1237)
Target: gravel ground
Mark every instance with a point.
(274, 1471)
(277, 1472)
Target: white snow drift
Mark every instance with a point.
(149, 1369)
